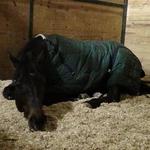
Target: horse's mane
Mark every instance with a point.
(31, 48)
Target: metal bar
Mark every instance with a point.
(124, 19)
(31, 10)
(102, 3)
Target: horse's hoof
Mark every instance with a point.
(93, 103)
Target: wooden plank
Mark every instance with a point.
(13, 31)
(110, 3)
(114, 1)
(138, 30)
(77, 19)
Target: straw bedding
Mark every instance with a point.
(74, 126)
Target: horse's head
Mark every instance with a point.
(28, 76)
(29, 86)
(29, 83)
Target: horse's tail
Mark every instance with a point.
(142, 73)
(145, 88)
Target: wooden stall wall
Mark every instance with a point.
(78, 19)
(138, 31)
(13, 31)
(115, 1)
(67, 17)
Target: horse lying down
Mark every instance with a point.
(50, 67)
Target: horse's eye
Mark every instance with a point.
(14, 82)
(32, 74)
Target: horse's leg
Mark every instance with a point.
(113, 94)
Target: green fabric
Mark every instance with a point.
(76, 66)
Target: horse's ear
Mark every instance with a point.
(14, 60)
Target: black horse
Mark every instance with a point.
(53, 67)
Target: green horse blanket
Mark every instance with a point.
(77, 66)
